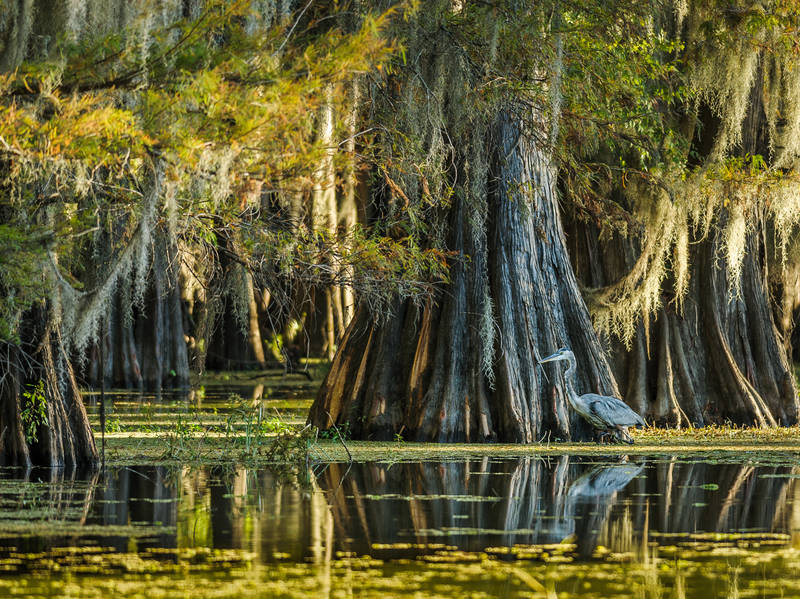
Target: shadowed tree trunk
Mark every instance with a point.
(721, 359)
(42, 417)
(236, 342)
(785, 283)
(160, 336)
(144, 346)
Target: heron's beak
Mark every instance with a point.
(551, 358)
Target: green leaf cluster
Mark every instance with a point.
(34, 411)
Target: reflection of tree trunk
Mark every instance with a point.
(715, 497)
(545, 501)
(741, 477)
(91, 491)
(225, 525)
(788, 513)
(523, 501)
(63, 497)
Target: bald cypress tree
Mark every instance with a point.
(462, 365)
(686, 297)
(675, 144)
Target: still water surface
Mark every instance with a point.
(533, 526)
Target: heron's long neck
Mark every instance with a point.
(570, 379)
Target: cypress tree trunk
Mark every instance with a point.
(43, 421)
(145, 345)
(785, 284)
(14, 449)
(423, 371)
(159, 329)
(538, 303)
(720, 360)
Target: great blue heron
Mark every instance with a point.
(608, 414)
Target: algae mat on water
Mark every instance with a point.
(675, 572)
(718, 443)
(558, 525)
(695, 513)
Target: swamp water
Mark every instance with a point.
(557, 526)
(712, 524)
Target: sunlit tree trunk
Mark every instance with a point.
(348, 206)
(253, 327)
(422, 372)
(324, 219)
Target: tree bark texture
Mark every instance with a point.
(421, 372)
(721, 359)
(785, 285)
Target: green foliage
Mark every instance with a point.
(246, 434)
(185, 439)
(341, 432)
(654, 166)
(620, 89)
(113, 424)
(209, 126)
(34, 411)
(247, 426)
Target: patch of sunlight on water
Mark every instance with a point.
(210, 400)
(555, 526)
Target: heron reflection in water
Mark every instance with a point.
(605, 480)
(611, 416)
(591, 497)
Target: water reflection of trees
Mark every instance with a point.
(254, 510)
(143, 495)
(705, 496)
(32, 499)
(484, 502)
(470, 504)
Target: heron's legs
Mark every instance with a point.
(622, 435)
(603, 437)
